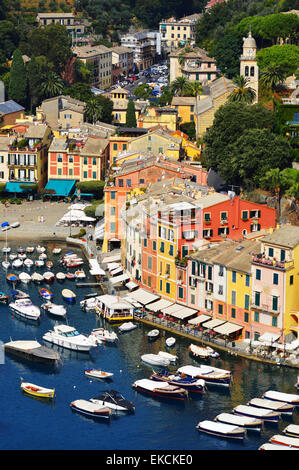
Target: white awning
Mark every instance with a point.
(213, 323)
(269, 338)
(132, 285)
(95, 270)
(116, 271)
(111, 259)
(170, 310)
(184, 313)
(112, 266)
(200, 319)
(117, 279)
(157, 306)
(143, 296)
(227, 328)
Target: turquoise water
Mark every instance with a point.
(27, 423)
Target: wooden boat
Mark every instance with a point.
(42, 256)
(80, 274)
(252, 424)
(29, 249)
(17, 263)
(4, 298)
(56, 251)
(28, 262)
(22, 256)
(259, 413)
(39, 262)
(203, 352)
(48, 276)
(292, 430)
(37, 278)
(5, 264)
(49, 264)
(60, 276)
(40, 249)
(170, 342)
(12, 278)
(90, 409)
(285, 441)
(228, 431)
(160, 389)
(153, 334)
(280, 396)
(270, 446)
(98, 374)
(45, 293)
(212, 375)
(18, 294)
(189, 384)
(37, 391)
(280, 406)
(32, 350)
(68, 295)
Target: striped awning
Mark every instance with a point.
(213, 323)
(227, 328)
(200, 319)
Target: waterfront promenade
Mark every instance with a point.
(29, 214)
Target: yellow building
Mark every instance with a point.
(185, 106)
(157, 142)
(159, 117)
(100, 57)
(178, 32)
(166, 267)
(118, 96)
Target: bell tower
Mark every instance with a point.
(248, 64)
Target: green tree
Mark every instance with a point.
(143, 91)
(243, 93)
(80, 91)
(33, 78)
(17, 90)
(285, 56)
(180, 86)
(52, 85)
(227, 51)
(130, 115)
(93, 110)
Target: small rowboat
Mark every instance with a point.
(60, 276)
(36, 277)
(70, 276)
(170, 342)
(90, 409)
(203, 352)
(260, 413)
(48, 276)
(160, 389)
(18, 294)
(253, 424)
(37, 391)
(80, 274)
(292, 430)
(56, 251)
(285, 441)
(98, 374)
(166, 355)
(49, 264)
(4, 298)
(153, 334)
(29, 249)
(279, 396)
(270, 446)
(68, 295)
(280, 406)
(39, 262)
(221, 430)
(13, 278)
(45, 293)
(25, 278)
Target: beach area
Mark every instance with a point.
(37, 221)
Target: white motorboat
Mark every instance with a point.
(253, 424)
(166, 355)
(153, 334)
(98, 374)
(36, 277)
(68, 337)
(42, 256)
(6, 249)
(212, 375)
(28, 262)
(127, 326)
(80, 274)
(60, 276)
(15, 224)
(203, 352)
(12, 256)
(49, 276)
(280, 396)
(17, 263)
(221, 430)
(54, 309)
(89, 304)
(5, 264)
(29, 249)
(170, 342)
(155, 360)
(39, 262)
(104, 335)
(56, 251)
(25, 308)
(22, 256)
(25, 277)
(114, 400)
(40, 249)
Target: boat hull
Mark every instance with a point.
(175, 395)
(41, 355)
(96, 415)
(239, 435)
(38, 392)
(67, 345)
(270, 419)
(26, 315)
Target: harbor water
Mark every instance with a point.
(28, 423)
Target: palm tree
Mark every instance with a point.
(93, 110)
(270, 78)
(52, 85)
(180, 86)
(196, 90)
(243, 93)
(275, 180)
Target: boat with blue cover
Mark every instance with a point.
(211, 375)
(45, 293)
(4, 298)
(12, 278)
(188, 383)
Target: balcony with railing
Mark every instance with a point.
(260, 260)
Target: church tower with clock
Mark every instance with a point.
(248, 64)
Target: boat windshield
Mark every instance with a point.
(71, 333)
